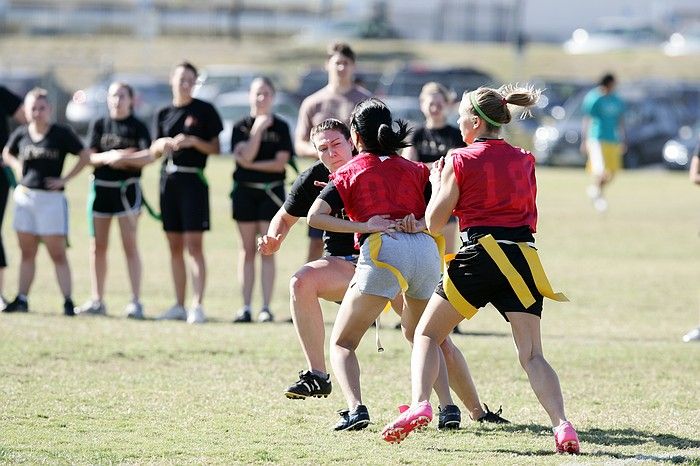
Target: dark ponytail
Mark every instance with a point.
(372, 121)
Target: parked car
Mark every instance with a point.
(345, 30)
(408, 80)
(21, 81)
(678, 151)
(150, 95)
(551, 103)
(233, 106)
(215, 80)
(612, 34)
(653, 116)
(685, 42)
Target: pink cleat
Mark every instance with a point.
(566, 438)
(410, 419)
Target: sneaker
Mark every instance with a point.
(134, 310)
(492, 417)
(95, 308)
(18, 305)
(68, 308)
(356, 419)
(243, 316)
(309, 384)
(176, 312)
(3, 304)
(196, 315)
(600, 204)
(593, 192)
(566, 438)
(693, 335)
(413, 418)
(449, 417)
(265, 315)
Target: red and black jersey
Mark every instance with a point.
(372, 185)
(497, 186)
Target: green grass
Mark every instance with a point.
(110, 390)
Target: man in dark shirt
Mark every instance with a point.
(327, 277)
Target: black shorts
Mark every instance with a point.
(479, 280)
(112, 201)
(253, 204)
(184, 202)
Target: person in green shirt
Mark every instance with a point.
(602, 137)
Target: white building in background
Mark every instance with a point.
(447, 20)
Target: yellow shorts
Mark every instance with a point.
(603, 157)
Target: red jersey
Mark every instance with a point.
(370, 185)
(497, 186)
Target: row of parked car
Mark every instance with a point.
(662, 121)
(614, 34)
(661, 126)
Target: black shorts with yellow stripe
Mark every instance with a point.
(474, 279)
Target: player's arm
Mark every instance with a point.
(302, 144)
(695, 168)
(444, 196)
(60, 182)
(585, 123)
(280, 225)
(19, 116)
(320, 217)
(184, 141)
(276, 165)
(12, 161)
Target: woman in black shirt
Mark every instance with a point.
(119, 143)
(261, 145)
(37, 152)
(187, 132)
(434, 139)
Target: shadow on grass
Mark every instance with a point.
(605, 437)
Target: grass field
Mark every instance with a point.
(109, 390)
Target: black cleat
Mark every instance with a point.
(309, 384)
(449, 417)
(243, 316)
(492, 417)
(18, 305)
(356, 419)
(68, 307)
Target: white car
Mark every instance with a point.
(683, 43)
(215, 80)
(612, 35)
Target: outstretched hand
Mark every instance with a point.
(268, 245)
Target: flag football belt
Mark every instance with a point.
(171, 168)
(267, 187)
(514, 278)
(122, 185)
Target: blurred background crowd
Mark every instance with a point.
(283, 38)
